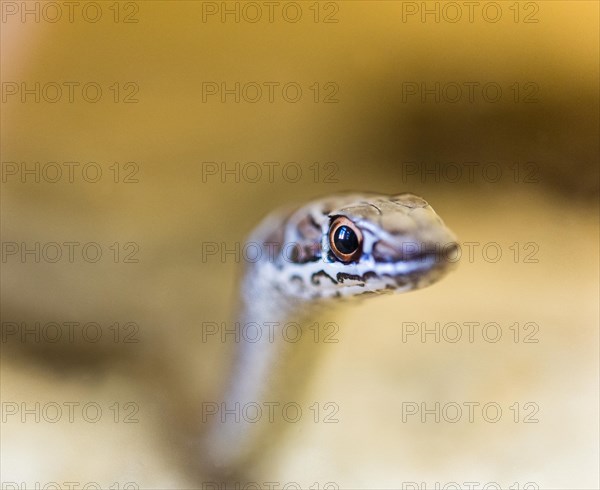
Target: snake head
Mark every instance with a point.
(351, 244)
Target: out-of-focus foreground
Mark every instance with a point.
(122, 123)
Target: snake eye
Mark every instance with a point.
(345, 240)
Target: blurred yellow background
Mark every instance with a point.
(379, 104)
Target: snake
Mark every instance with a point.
(313, 258)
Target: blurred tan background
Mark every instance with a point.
(541, 132)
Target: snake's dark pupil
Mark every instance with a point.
(345, 240)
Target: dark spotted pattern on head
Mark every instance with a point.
(308, 229)
(341, 276)
(307, 247)
(316, 277)
(301, 253)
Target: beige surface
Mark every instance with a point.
(371, 372)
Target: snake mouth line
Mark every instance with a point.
(418, 269)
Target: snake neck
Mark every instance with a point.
(272, 363)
